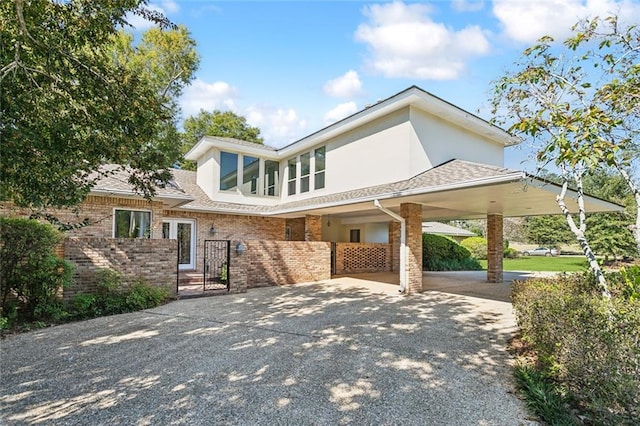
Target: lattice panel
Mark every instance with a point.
(363, 258)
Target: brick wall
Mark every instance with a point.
(229, 227)
(494, 248)
(296, 226)
(313, 228)
(286, 262)
(394, 240)
(412, 213)
(99, 211)
(363, 257)
(151, 260)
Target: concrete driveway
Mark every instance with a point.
(346, 351)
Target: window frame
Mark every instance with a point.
(114, 227)
(235, 187)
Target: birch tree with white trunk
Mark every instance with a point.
(577, 103)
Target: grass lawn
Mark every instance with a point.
(543, 263)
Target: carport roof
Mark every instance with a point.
(454, 190)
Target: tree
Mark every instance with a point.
(547, 230)
(217, 123)
(578, 104)
(67, 106)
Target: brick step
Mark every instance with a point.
(190, 278)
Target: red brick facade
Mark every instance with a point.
(412, 214)
(286, 262)
(494, 248)
(313, 228)
(136, 258)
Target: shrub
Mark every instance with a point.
(440, 253)
(31, 273)
(510, 253)
(477, 246)
(586, 343)
(113, 296)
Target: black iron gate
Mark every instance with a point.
(217, 257)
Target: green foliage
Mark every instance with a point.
(548, 230)
(32, 276)
(608, 235)
(68, 105)
(477, 246)
(587, 343)
(113, 296)
(543, 397)
(441, 253)
(217, 123)
(510, 253)
(630, 283)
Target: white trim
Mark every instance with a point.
(173, 234)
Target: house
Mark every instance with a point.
(350, 197)
(453, 232)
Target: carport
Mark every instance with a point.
(454, 190)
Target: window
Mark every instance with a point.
(354, 235)
(319, 154)
(305, 169)
(228, 171)
(250, 173)
(291, 164)
(132, 224)
(287, 233)
(271, 177)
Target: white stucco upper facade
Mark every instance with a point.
(391, 141)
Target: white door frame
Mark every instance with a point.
(173, 234)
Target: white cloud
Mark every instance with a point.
(527, 21)
(141, 24)
(405, 42)
(170, 6)
(278, 126)
(345, 86)
(208, 96)
(339, 112)
(467, 5)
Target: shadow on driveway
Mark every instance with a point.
(335, 352)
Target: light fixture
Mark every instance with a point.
(212, 231)
(240, 248)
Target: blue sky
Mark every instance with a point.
(293, 67)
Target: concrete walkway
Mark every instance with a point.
(346, 351)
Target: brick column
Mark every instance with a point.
(312, 228)
(238, 269)
(412, 213)
(394, 242)
(494, 248)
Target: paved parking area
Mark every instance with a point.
(347, 351)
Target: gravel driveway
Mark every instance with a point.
(331, 353)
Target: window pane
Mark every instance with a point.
(319, 154)
(184, 241)
(228, 170)
(304, 184)
(305, 164)
(271, 183)
(166, 229)
(291, 164)
(132, 224)
(250, 174)
(354, 235)
(319, 181)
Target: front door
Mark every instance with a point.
(184, 231)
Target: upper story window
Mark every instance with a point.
(319, 154)
(250, 173)
(228, 171)
(271, 182)
(292, 166)
(305, 170)
(312, 171)
(131, 224)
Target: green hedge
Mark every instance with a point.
(440, 253)
(31, 275)
(589, 345)
(477, 246)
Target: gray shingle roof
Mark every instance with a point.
(240, 142)
(444, 229)
(115, 179)
(452, 173)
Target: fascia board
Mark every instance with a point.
(407, 193)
